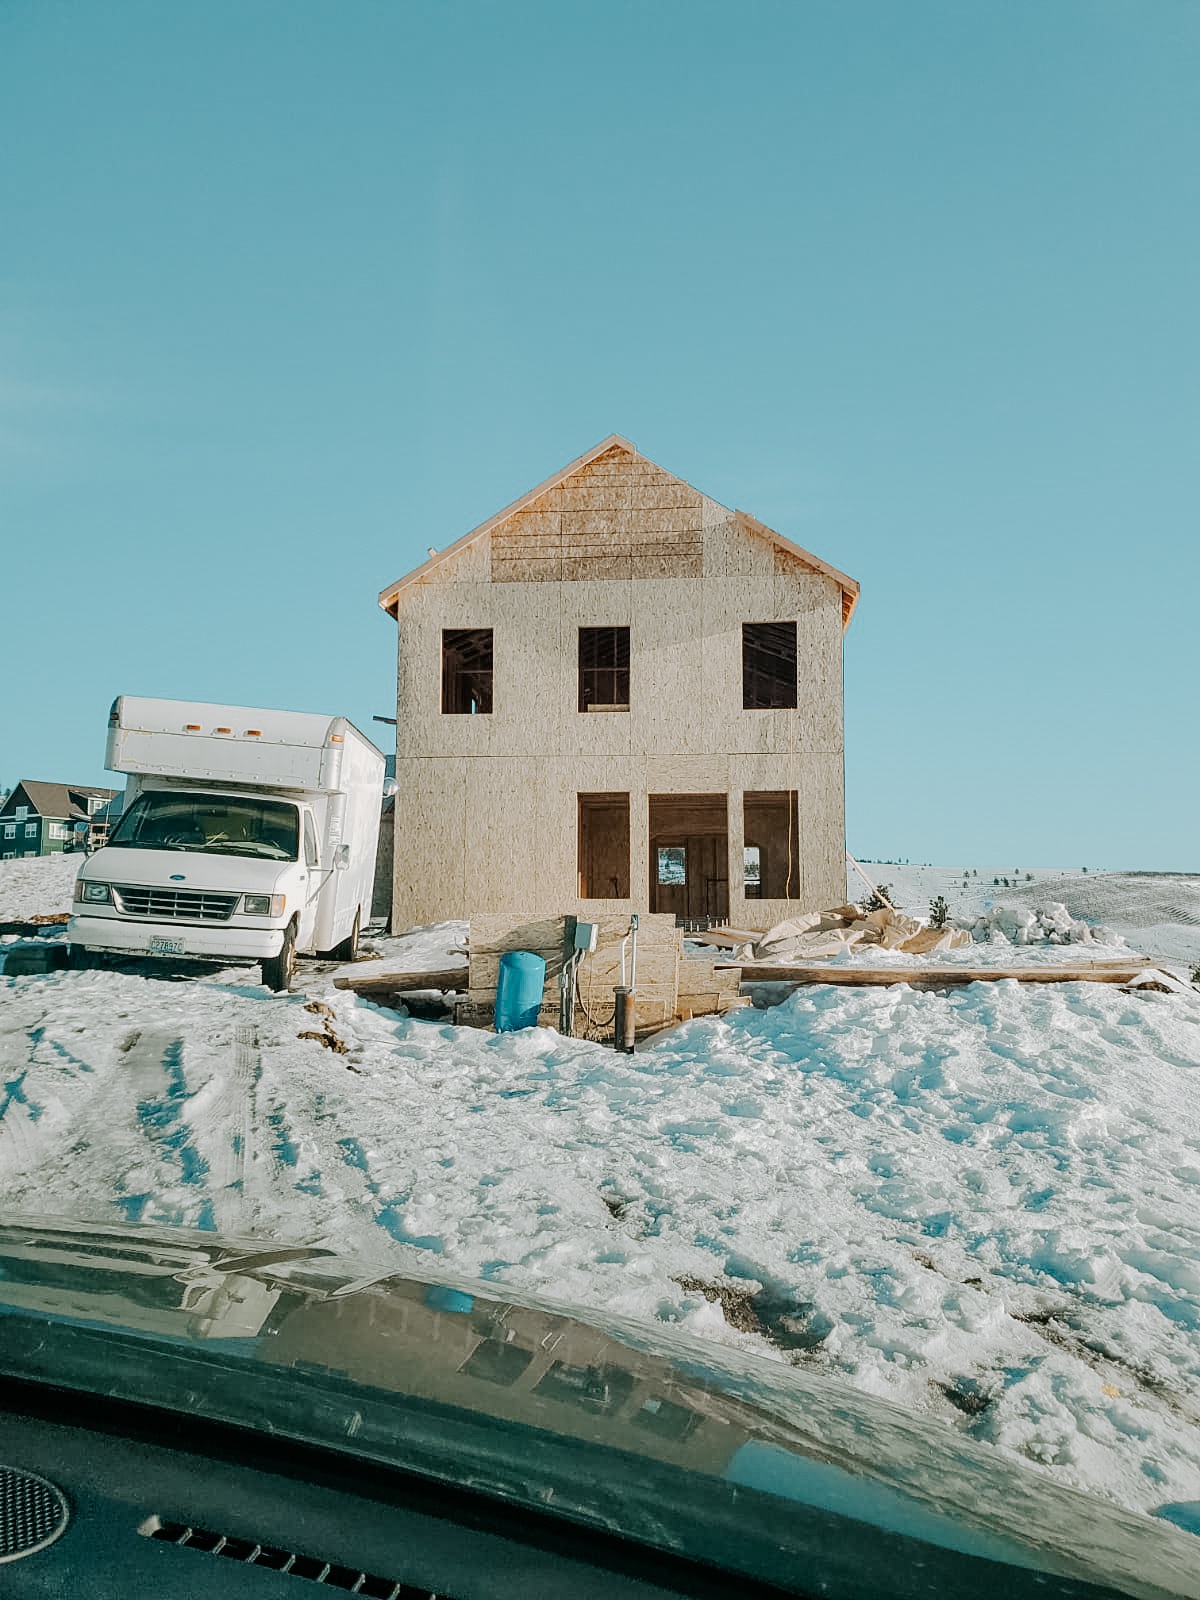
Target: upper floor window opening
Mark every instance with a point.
(768, 665)
(604, 669)
(466, 671)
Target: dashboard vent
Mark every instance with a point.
(333, 1575)
(32, 1513)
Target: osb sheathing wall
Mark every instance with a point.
(486, 809)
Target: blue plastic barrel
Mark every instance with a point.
(519, 990)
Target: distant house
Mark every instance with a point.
(43, 819)
(619, 695)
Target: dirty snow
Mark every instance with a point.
(981, 1204)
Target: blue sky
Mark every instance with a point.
(291, 290)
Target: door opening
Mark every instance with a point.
(689, 855)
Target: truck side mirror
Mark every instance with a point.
(342, 860)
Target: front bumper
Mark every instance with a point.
(125, 936)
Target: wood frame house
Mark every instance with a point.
(41, 819)
(618, 695)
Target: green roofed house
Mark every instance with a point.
(43, 819)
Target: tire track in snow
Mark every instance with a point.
(155, 1076)
(31, 1114)
(220, 1114)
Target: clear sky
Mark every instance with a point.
(291, 290)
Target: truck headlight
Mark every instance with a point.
(263, 905)
(93, 893)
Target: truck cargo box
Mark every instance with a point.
(229, 744)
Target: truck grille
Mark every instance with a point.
(189, 905)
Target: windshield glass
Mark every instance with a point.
(214, 824)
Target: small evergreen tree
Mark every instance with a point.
(875, 901)
(939, 912)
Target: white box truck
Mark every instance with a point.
(246, 835)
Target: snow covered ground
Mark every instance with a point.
(982, 1204)
(37, 886)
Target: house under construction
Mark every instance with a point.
(617, 695)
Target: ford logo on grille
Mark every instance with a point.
(177, 877)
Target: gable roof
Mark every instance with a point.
(389, 598)
(66, 800)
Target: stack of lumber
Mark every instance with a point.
(383, 978)
(943, 975)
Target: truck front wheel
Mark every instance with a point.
(278, 971)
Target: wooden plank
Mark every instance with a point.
(393, 982)
(941, 976)
(731, 937)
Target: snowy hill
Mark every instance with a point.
(1157, 913)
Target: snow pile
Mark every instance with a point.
(1049, 924)
(37, 886)
(981, 1203)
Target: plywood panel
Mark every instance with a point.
(667, 661)
(670, 774)
(729, 549)
(823, 830)
(430, 829)
(816, 603)
(579, 566)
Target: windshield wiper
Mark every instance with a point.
(247, 847)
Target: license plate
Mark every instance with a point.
(166, 947)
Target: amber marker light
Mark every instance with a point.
(191, 727)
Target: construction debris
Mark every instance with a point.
(830, 933)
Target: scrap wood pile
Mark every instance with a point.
(830, 933)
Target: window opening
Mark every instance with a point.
(689, 856)
(466, 671)
(31, 830)
(672, 864)
(772, 831)
(604, 846)
(604, 669)
(752, 871)
(768, 665)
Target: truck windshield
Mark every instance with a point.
(216, 824)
